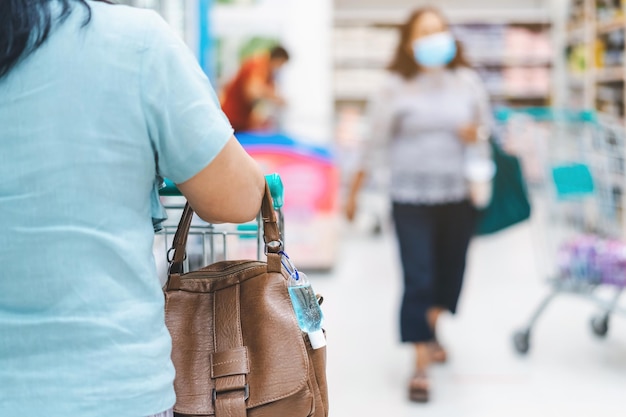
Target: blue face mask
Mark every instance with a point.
(435, 50)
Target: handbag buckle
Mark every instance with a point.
(246, 392)
(275, 246)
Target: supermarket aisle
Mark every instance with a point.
(568, 372)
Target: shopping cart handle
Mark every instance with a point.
(276, 189)
(169, 189)
(273, 180)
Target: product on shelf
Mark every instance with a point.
(610, 99)
(577, 13)
(525, 44)
(513, 61)
(526, 81)
(483, 44)
(609, 10)
(609, 49)
(577, 59)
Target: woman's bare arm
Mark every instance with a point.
(229, 189)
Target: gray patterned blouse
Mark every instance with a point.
(413, 128)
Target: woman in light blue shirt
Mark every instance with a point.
(96, 101)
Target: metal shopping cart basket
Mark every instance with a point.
(574, 166)
(209, 243)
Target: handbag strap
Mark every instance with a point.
(230, 364)
(271, 239)
(180, 238)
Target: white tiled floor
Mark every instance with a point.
(567, 373)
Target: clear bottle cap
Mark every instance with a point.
(317, 339)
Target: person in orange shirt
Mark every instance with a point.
(252, 86)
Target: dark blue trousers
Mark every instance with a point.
(433, 242)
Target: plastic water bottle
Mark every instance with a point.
(307, 308)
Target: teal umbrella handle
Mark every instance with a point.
(273, 180)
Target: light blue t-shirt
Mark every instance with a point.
(86, 123)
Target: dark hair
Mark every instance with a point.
(404, 63)
(278, 52)
(26, 24)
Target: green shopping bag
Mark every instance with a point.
(509, 201)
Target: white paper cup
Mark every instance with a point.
(479, 174)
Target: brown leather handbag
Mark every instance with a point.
(237, 347)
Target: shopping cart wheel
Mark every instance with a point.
(600, 325)
(521, 341)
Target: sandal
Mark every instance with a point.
(419, 388)
(437, 353)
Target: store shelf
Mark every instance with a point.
(610, 26)
(577, 81)
(576, 34)
(578, 25)
(496, 61)
(356, 96)
(357, 63)
(610, 75)
(594, 36)
(511, 61)
(396, 16)
(359, 68)
(520, 96)
(352, 97)
(511, 49)
(576, 75)
(610, 118)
